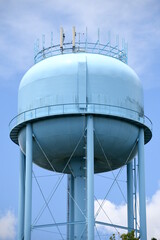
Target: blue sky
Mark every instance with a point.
(22, 22)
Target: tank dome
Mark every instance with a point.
(80, 79)
(58, 93)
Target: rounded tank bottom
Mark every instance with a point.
(59, 141)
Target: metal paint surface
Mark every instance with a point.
(80, 78)
(58, 93)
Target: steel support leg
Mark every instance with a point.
(90, 178)
(130, 196)
(135, 192)
(142, 195)
(28, 183)
(21, 197)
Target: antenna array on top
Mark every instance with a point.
(78, 45)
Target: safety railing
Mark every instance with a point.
(88, 47)
(74, 108)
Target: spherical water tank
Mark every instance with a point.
(58, 93)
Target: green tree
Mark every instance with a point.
(129, 236)
(113, 237)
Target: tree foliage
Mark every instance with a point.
(113, 237)
(127, 236)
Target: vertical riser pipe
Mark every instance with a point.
(70, 228)
(90, 178)
(79, 207)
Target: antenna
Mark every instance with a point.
(109, 37)
(123, 44)
(62, 36)
(51, 39)
(73, 37)
(117, 41)
(86, 38)
(36, 46)
(98, 38)
(43, 41)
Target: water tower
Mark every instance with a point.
(76, 95)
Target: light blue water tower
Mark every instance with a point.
(76, 96)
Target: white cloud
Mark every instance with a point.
(118, 215)
(153, 216)
(137, 21)
(7, 226)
